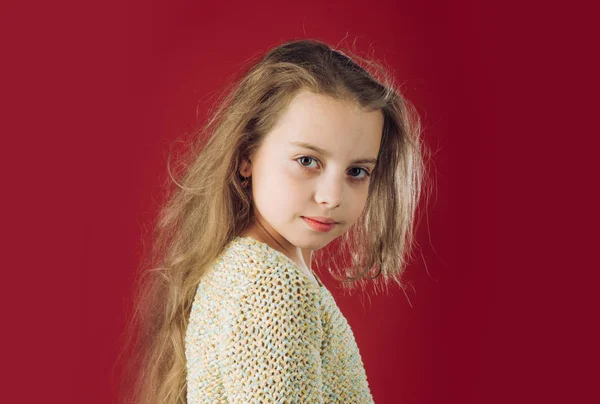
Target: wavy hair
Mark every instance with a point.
(206, 206)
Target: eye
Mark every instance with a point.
(304, 158)
(367, 174)
(307, 159)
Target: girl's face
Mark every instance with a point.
(291, 181)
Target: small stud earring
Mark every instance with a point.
(245, 182)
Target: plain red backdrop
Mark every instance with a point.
(94, 95)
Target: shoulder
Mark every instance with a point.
(275, 307)
(248, 272)
(259, 287)
(271, 283)
(270, 346)
(262, 266)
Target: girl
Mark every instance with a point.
(308, 147)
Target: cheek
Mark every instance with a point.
(289, 184)
(292, 173)
(357, 202)
(278, 192)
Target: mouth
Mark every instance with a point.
(317, 225)
(321, 220)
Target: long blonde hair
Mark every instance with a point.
(206, 206)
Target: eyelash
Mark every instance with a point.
(368, 174)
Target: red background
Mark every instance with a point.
(502, 306)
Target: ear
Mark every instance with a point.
(246, 167)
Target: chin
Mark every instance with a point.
(315, 243)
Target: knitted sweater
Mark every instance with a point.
(261, 332)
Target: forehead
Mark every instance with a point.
(334, 125)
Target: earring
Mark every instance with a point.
(245, 182)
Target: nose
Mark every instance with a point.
(329, 190)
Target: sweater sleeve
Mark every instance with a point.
(271, 349)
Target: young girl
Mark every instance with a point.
(307, 148)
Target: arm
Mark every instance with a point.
(271, 352)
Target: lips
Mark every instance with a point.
(321, 219)
(319, 226)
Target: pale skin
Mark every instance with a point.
(290, 181)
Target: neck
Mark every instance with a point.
(306, 255)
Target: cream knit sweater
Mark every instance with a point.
(261, 332)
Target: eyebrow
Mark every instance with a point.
(327, 154)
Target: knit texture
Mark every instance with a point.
(261, 332)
